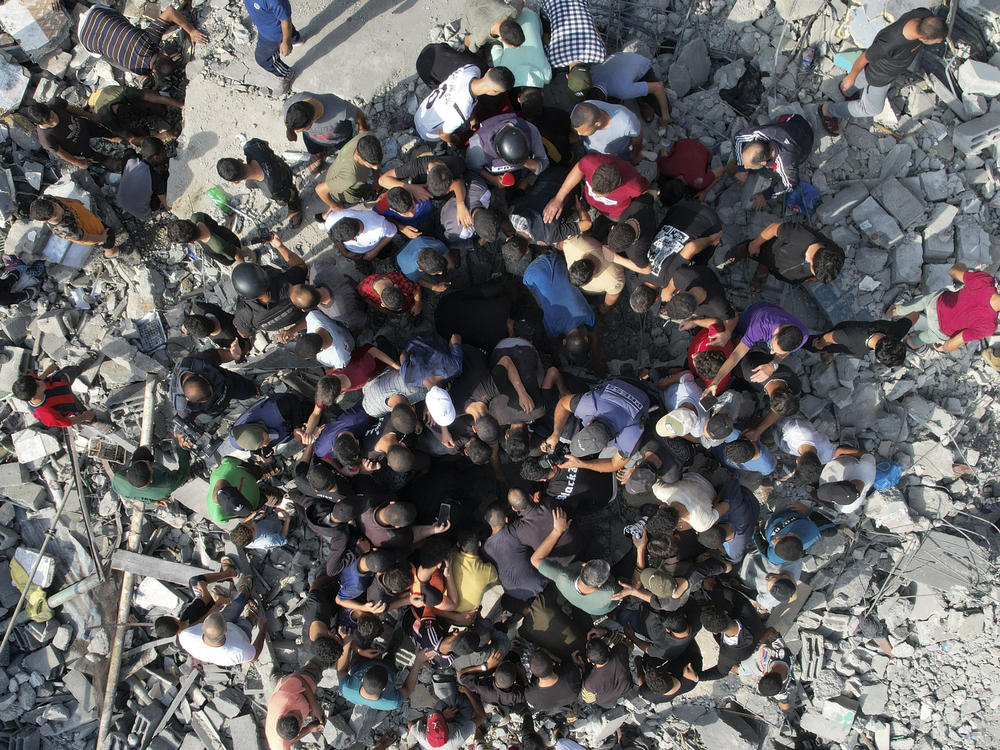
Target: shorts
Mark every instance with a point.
(321, 147)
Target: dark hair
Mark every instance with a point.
(403, 419)
(231, 170)
(399, 200)
(663, 522)
(163, 65)
(197, 389)
(679, 307)
(606, 179)
(783, 589)
(392, 298)
(24, 387)
(486, 222)
(165, 626)
(719, 425)
(346, 229)
(465, 643)
(712, 538)
(663, 547)
(790, 338)
(298, 116)
(708, 363)
(784, 402)
(42, 209)
(739, 451)
(890, 351)
(398, 579)
(518, 499)
(467, 539)
(642, 298)
(327, 390)
(381, 560)
(431, 262)
(500, 78)
(531, 741)
(597, 651)
(789, 548)
(327, 649)
(576, 347)
(478, 452)
(532, 103)
(488, 429)
(37, 113)
(532, 469)
(321, 476)
(511, 32)
(673, 621)
(375, 680)
(755, 151)
(770, 684)
(399, 514)
(827, 263)
(150, 147)
(714, 620)
(367, 628)
(435, 550)
(139, 474)
(400, 459)
(622, 236)
(584, 113)
(659, 680)
(288, 727)
(672, 191)
(540, 664)
(439, 179)
(514, 249)
(932, 27)
(495, 514)
(370, 150)
(182, 230)
(505, 675)
(515, 443)
(346, 449)
(308, 345)
(581, 272)
(808, 468)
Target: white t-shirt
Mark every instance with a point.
(374, 228)
(236, 650)
(686, 391)
(338, 354)
(791, 433)
(617, 137)
(448, 107)
(696, 494)
(847, 469)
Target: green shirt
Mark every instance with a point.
(222, 244)
(236, 474)
(564, 577)
(164, 481)
(349, 181)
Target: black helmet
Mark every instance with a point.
(249, 280)
(511, 144)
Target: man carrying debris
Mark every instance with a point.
(894, 49)
(69, 219)
(66, 131)
(50, 399)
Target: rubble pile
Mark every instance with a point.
(907, 198)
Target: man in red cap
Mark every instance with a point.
(456, 718)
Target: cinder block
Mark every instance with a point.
(979, 78)
(973, 136)
(835, 209)
(939, 234)
(899, 202)
(877, 225)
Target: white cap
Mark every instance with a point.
(439, 406)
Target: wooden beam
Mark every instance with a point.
(154, 567)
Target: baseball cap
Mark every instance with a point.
(232, 501)
(437, 730)
(657, 582)
(578, 79)
(250, 436)
(677, 423)
(440, 406)
(839, 493)
(595, 573)
(591, 439)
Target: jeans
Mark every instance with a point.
(267, 55)
(870, 104)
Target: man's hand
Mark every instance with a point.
(752, 434)
(450, 712)
(553, 210)
(463, 215)
(235, 349)
(286, 335)
(440, 286)
(417, 600)
(719, 339)
(690, 674)
(550, 444)
(275, 240)
(419, 192)
(183, 442)
(494, 659)
(560, 521)
(753, 248)
(285, 49)
(686, 325)
(627, 589)
(440, 528)
(578, 659)
(665, 120)
(571, 462)
(759, 201)
(409, 231)
(642, 541)
(86, 416)
(525, 401)
(376, 609)
(847, 83)
(164, 502)
(762, 372)
(197, 37)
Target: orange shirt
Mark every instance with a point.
(289, 696)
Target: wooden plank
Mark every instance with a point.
(154, 567)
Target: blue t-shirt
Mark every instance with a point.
(622, 406)
(267, 16)
(353, 583)
(268, 534)
(619, 75)
(406, 258)
(354, 420)
(563, 305)
(350, 688)
(800, 525)
(744, 510)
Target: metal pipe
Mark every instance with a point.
(128, 579)
(69, 439)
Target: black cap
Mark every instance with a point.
(232, 501)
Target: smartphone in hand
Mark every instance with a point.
(444, 514)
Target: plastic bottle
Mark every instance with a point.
(219, 199)
(807, 58)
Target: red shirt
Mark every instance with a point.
(700, 344)
(366, 289)
(362, 368)
(615, 202)
(689, 160)
(968, 310)
(58, 403)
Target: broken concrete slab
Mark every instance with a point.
(972, 243)
(908, 260)
(939, 232)
(38, 26)
(945, 562)
(13, 85)
(975, 135)
(899, 202)
(155, 567)
(979, 78)
(34, 446)
(877, 225)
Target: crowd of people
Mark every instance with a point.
(484, 492)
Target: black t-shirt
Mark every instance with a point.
(512, 557)
(891, 54)
(643, 212)
(227, 331)
(563, 693)
(605, 685)
(300, 476)
(474, 383)
(483, 686)
(415, 170)
(382, 536)
(580, 489)
(279, 312)
(715, 305)
(554, 125)
(853, 335)
(786, 256)
(782, 373)
(278, 182)
(665, 646)
(72, 133)
(505, 407)
(535, 523)
(691, 218)
(320, 605)
(478, 316)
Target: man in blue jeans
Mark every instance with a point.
(275, 37)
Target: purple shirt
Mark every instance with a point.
(759, 322)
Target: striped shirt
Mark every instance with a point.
(58, 403)
(107, 32)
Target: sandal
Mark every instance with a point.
(228, 562)
(252, 610)
(830, 124)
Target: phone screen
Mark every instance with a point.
(444, 513)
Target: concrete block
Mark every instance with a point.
(229, 702)
(939, 234)
(39, 26)
(29, 495)
(896, 162)
(908, 260)
(973, 136)
(877, 225)
(243, 730)
(33, 447)
(919, 104)
(694, 57)
(796, 10)
(899, 202)
(834, 210)
(935, 185)
(12, 473)
(46, 661)
(935, 276)
(833, 724)
(153, 594)
(979, 78)
(14, 82)
(972, 243)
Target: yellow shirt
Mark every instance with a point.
(472, 575)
